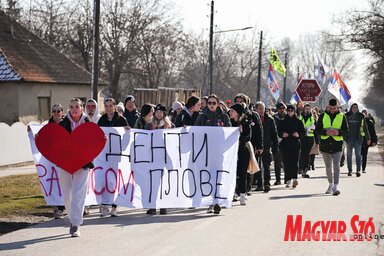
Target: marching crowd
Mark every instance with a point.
(287, 135)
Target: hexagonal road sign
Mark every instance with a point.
(308, 90)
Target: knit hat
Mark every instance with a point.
(176, 105)
(162, 108)
(280, 104)
(291, 107)
(129, 97)
(145, 109)
(238, 108)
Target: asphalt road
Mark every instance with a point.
(255, 229)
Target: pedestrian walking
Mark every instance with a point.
(213, 115)
(111, 118)
(239, 119)
(279, 116)
(291, 129)
(332, 126)
(365, 146)
(358, 129)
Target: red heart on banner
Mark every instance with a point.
(70, 151)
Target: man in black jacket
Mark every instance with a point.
(332, 127)
(269, 142)
(278, 156)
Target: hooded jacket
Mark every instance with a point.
(95, 118)
(117, 121)
(354, 125)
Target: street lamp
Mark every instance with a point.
(211, 32)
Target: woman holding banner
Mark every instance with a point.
(75, 185)
(146, 114)
(111, 119)
(239, 119)
(159, 120)
(213, 115)
(189, 113)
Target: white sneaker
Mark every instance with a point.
(288, 184)
(243, 199)
(104, 210)
(75, 231)
(295, 183)
(210, 209)
(114, 212)
(330, 189)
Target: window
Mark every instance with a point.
(44, 107)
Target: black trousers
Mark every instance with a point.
(306, 146)
(291, 162)
(242, 166)
(278, 159)
(364, 154)
(266, 159)
(311, 161)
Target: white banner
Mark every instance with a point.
(170, 168)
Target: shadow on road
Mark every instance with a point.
(23, 244)
(296, 196)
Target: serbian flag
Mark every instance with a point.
(273, 86)
(338, 89)
(322, 70)
(295, 98)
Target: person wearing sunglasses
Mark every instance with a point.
(92, 110)
(56, 117)
(213, 115)
(291, 129)
(332, 127)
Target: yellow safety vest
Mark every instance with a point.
(310, 122)
(337, 122)
(362, 128)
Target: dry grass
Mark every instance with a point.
(21, 195)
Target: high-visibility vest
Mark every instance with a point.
(362, 128)
(337, 122)
(309, 125)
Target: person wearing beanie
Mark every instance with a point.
(239, 119)
(308, 140)
(358, 129)
(332, 127)
(189, 113)
(291, 129)
(177, 106)
(256, 134)
(146, 114)
(130, 112)
(159, 120)
(278, 156)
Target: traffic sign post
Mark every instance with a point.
(308, 90)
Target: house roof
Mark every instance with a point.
(26, 57)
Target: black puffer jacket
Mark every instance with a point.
(245, 132)
(117, 121)
(185, 119)
(208, 118)
(291, 125)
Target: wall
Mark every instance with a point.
(8, 103)
(14, 144)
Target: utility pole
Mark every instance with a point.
(285, 77)
(95, 57)
(259, 68)
(210, 58)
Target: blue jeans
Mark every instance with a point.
(354, 145)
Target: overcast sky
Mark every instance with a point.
(278, 18)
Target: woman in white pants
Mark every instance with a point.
(75, 185)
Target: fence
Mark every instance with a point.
(14, 144)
